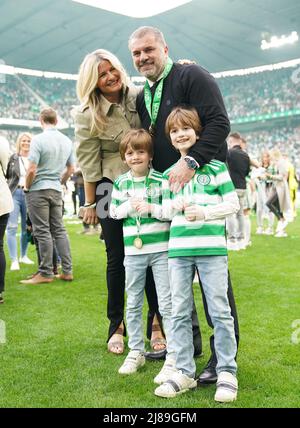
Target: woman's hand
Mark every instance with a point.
(89, 215)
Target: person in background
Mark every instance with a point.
(279, 201)
(51, 163)
(16, 172)
(264, 186)
(292, 182)
(238, 163)
(72, 185)
(249, 199)
(6, 207)
(32, 239)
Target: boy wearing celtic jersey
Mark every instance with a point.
(137, 199)
(197, 241)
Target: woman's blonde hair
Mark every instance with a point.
(87, 89)
(18, 143)
(276, 154)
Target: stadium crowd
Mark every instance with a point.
(16, 101)
(244, 96)
(261, 93)
(51, 90)
(286, 139)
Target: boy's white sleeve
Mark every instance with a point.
(157, 211)
(168, 212)
(119, 208)
(229, 205)
(230, 201)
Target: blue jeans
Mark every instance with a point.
(213, 274)
(135, 271)
(81, 195)
(12, 226)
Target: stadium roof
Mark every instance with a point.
(220, 35)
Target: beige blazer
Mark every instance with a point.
(98, 156)
(6, 201)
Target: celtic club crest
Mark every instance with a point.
(151, 191)
(203, 179)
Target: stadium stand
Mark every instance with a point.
(261, 93)
(248, 96)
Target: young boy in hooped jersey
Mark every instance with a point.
(137, 198)
(197, 240)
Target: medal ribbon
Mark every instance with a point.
(153, 112)
(138, 217)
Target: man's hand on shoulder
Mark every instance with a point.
(180, 175)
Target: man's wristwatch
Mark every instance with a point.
(191, 163)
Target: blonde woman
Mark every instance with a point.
(16, 172)
(264, 189)
(279, 201)
(106, 112)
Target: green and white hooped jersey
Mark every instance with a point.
(212, 189)
(150, 229)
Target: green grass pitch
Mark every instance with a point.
(55, 352)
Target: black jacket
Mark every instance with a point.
(189, 85)
(238, 163)
(13, 172)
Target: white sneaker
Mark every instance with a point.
(177, 384)
(281, 234)
(166, 372)
(227, 387)
(259, 231)
(133, 361)
(268, 231)
(232, 245)
(241, 243)
(26, 260)
(15, 265)
(281, 225)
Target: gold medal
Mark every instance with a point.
(138, 243)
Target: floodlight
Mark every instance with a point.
(276, 42)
